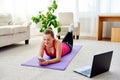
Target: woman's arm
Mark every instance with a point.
(41, 51)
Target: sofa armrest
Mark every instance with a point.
(28, 24)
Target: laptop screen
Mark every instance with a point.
(101, 63)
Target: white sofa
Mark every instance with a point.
(11, 33)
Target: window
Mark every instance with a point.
(85, 5)
(66, 5)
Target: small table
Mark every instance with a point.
(101, 18)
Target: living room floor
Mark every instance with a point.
(12, 56)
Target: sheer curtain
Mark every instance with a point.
(23, 8)
(85, 11)
(109, 7)
(93, 8)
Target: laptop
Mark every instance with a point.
(101, 63)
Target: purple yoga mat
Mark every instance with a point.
(58, 66)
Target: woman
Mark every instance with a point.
(54, 48)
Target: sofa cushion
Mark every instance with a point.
(12, 29)
(6, 30)
(19, 28)
(65, 18)
(5, 19)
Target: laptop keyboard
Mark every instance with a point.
(88, 71)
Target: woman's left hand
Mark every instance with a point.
(44, 63)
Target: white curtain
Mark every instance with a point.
(23, 9)
(85, 11)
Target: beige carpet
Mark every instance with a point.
(12, 56)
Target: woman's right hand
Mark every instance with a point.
(43, 63)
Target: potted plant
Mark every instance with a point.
(48, 19)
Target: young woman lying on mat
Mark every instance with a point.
(54, 48)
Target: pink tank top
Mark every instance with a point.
(65, 50)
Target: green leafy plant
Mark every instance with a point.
(48, 19)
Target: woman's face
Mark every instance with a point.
(48, 40)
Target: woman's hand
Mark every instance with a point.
(43, 63)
